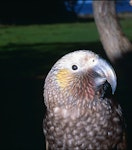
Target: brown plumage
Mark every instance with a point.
(81, 111)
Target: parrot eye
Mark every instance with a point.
(74, 67)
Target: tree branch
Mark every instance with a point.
(113, 39)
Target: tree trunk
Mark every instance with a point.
(114, 41)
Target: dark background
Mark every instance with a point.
(34, 12)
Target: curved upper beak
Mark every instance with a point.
(106, 72)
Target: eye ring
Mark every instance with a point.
(74, 67)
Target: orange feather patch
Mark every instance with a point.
(64, 77)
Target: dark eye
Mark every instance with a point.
(74, 67)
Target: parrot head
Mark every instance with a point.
(77, 76)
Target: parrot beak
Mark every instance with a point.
(106, 72)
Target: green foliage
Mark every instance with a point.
(54, 33)
(57, 33)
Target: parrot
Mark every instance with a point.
(81, 110)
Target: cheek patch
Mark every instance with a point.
(64, 77)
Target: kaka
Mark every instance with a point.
(82, 113)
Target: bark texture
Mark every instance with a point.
(115, 43)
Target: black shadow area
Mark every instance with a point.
(123, 69)
(22, 114)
